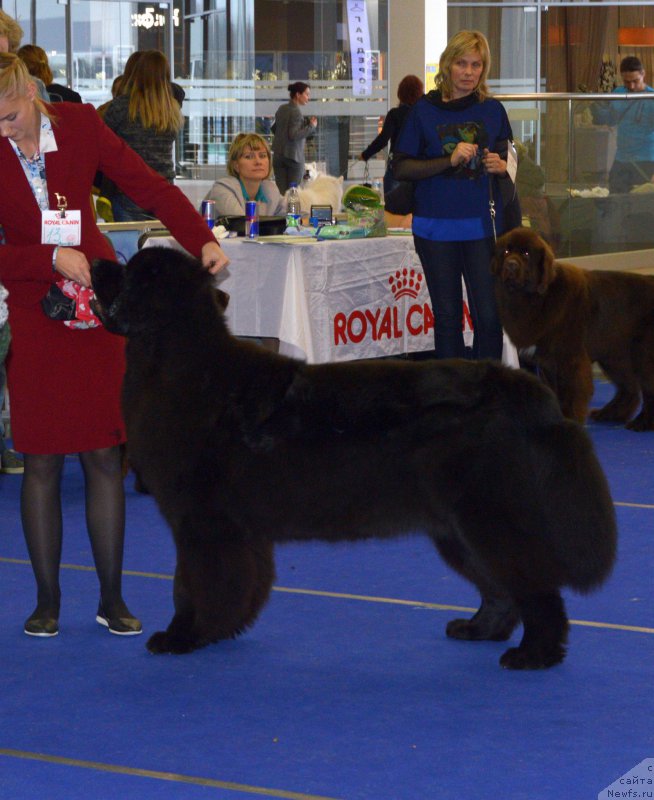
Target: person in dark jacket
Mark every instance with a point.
(38, 66)
(290, 130)
(409, 91)
(147, 116)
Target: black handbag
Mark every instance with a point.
(400, 200)
(57, 306)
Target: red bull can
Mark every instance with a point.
(251, 220)
(209, 212)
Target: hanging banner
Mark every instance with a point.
(360, 54)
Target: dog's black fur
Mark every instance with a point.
(243, 448)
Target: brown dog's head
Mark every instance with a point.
(157, 287)
(523, 261)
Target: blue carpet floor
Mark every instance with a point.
(346, 689)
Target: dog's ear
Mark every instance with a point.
(108, 280)
(496, 260)
(222, 298)
(547, 265)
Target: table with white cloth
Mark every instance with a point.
(330, 300)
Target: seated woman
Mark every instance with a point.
(249, 166)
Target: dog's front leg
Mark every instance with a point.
(220, 588)
(574, 388)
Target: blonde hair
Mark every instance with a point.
(241, 143)
(15, 80)
(151, 96)
(12, 30)
(459, 45)
(36, 61)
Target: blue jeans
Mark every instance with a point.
(444, 263)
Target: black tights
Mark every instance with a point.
(105, 521)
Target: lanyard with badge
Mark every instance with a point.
(63, 226)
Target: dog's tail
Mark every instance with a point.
(580, 509)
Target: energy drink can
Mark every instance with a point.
(209, 212)
(251, 220)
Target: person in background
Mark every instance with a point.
(10, 37)
(634, 157)
(409, 91)
(146, 115)
(10, 461)
(10, 33)
(178, 93)
(451, 146)
(65, 376)
(290, 129)
(36, 61)
(249, 167)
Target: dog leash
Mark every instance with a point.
(491, 206)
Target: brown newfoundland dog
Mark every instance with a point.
(268, 449)
(574, 317)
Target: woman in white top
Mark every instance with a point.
(249, 166)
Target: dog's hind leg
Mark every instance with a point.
(497, 616)
(545, 633)
(644, 360)
(622, 406)
(220, 587)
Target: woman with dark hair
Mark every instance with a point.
(409, 91)
(454, 146)
(291, 128)
(147, 116)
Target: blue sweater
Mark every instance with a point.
(454, 205)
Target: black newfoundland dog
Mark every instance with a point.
(268, 449)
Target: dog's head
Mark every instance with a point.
(524, 261)
(158, 286)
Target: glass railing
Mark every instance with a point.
(567, 169)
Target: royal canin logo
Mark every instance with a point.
(385, 322)
(405, 282)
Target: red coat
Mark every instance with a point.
(64, 384)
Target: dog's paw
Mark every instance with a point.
(164, 642)
(471, 631)
(643, 422)
(524, 658)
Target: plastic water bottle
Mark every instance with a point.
(293, 205)
(378, 187)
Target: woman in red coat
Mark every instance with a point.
(64, 379)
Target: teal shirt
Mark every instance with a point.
(635, 123)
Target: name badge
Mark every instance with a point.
(64, 229)
(512, 161)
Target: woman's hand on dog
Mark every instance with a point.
(73, 264)
(213, 257)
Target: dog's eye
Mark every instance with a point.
(510, 250)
